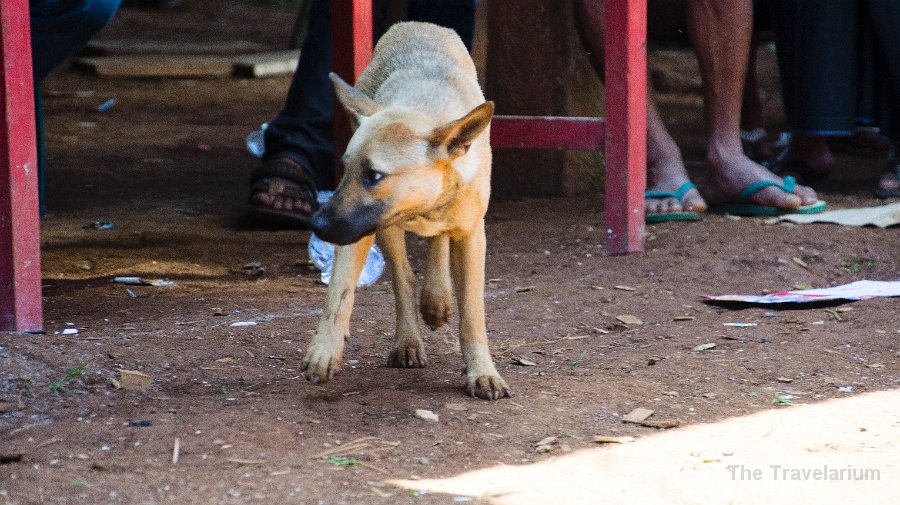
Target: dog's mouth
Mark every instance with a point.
(346, 227)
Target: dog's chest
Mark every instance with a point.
(425, 226)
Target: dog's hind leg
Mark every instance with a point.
(325, 352)
(436, 304)
(467, 264)
(408, 351)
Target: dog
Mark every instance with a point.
(419, 161)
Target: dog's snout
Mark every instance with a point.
(344, 227)
(319, 223)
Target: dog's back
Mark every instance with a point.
(424, 66)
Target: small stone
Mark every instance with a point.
(637, 415)
(426, 415)
(424, 461)
(629, 319)
(704, 347)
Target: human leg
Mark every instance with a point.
(60, 28)
(456, 14)
(299, 142)
(665, 168)
(818, 58)
(884, 16)
(720, 32)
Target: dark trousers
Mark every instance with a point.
(303, 129)
(840, 64)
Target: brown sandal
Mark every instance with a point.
(282, 177)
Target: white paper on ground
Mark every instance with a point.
(882, 216)
(859, 290)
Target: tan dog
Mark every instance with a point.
(419, 161)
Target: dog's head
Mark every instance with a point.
(398, 164)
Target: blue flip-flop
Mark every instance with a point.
(743, 207)
(662, 217)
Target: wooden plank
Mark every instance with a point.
(20, 239)
(548, 132)
(266, 64)
(145, 47)
(625, 32)
(157, 66)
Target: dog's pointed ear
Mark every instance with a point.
(455, 137)
(356, 103)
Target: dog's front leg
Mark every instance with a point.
(467, 263)
(325, 353)
(437, 290)
(408, 351)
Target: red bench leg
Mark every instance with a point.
(625, 32)
(351, 33)
(20, 240)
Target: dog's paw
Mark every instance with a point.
(436, 308)
(408, 356)
(320, 366)
(487, 387)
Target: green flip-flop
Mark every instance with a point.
(743, 207)
(662, 217)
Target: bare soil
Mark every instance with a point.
(250, 428)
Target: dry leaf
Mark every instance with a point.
(704, 347)
(524, 362)
(134, 380)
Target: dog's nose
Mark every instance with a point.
(319, 223)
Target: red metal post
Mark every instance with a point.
(20, 240)
(351, 35)
(625, 33)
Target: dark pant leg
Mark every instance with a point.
(303, 128)
(883, 17)
(60, 28)
(817, 59)
(456, 14)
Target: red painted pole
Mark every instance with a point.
(625, 33)
(20, 240)
(351, 34)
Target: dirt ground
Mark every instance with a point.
(250, 428)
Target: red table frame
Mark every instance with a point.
(622, 136)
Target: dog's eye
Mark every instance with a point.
(373, 177)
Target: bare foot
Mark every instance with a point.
(281, 194)
(733, 173)
(809, 159)
(668, 175)
(889, 183)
